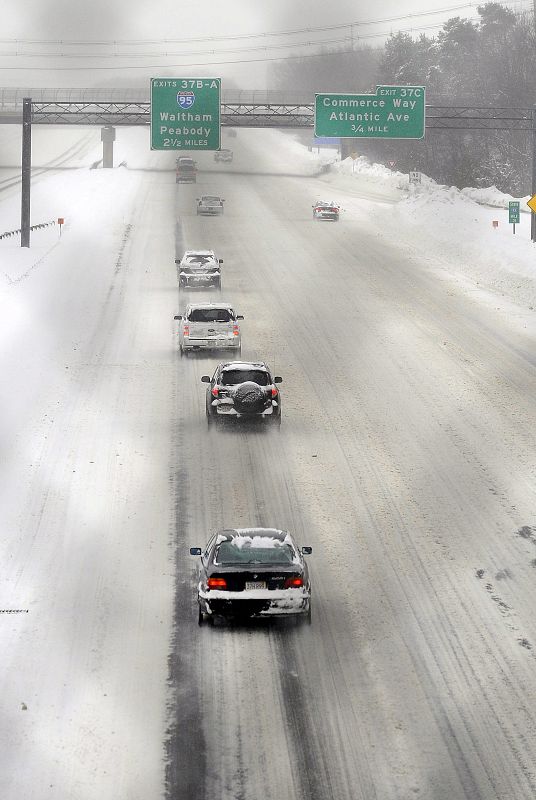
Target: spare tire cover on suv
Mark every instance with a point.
(248, 398)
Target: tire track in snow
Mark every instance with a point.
(186, 766)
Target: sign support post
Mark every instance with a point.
(26, 171)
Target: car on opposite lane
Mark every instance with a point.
(198, 269)
(243, 390)
(253, 572)
(209, 326)
(224, 155)
(210, 205)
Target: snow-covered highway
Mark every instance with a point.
(406, 458)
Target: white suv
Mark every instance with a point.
(199, 268)
(209, 326)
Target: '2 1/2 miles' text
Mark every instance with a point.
(185, 142)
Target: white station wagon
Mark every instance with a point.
(209, 326)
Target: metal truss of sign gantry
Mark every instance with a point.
(274, 115)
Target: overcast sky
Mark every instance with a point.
(100, 23)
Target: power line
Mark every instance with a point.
(229, 37)
(318, 42)
(181, 65)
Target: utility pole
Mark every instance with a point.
(532, 214)
(26, 171)
(533, 126)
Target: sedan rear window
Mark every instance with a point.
(232, 377)
(199, 258)
(210, 315)
(229, 554)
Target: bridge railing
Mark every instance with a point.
(12, 98)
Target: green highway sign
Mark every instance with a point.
(513, 212)
(394, 112)
(185, 113)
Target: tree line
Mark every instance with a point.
(490, 62)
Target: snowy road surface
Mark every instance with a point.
(406, 458)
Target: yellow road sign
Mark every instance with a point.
(532, 203)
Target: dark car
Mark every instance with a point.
(186, 170)
(253, 572)
(243, 390)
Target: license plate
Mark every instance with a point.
(255, 585)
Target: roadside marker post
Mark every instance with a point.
(532, 205)
(513, 213)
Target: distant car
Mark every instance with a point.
(210, 205)
(253, 572)
(199, 268)
(186, 170)
(243, 390)
(209, 326)
(223, 155)
(323, 210)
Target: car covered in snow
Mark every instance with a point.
(243, 390)
(324, 210)
(209, 326)
(252, 572)
(199, 268)
(210, 205)
(223, 155)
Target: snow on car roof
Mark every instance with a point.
(188, 253)
(245, 365)
(255, 537)
(199, 255)
(226, 306)
(258, 538)
(268, 532)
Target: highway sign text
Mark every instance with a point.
(513, 211)
(394, 112)
(185, 113)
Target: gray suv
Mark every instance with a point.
(243, 390)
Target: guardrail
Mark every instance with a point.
(8, 234)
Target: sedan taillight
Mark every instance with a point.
(217, 583)
(294, 583)
(215, 391)
(186, 330)
(236, 330)
(275, 392)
